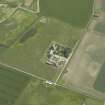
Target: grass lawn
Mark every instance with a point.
(75, 12)
(28, 55)
(37, 93)
(12, 83)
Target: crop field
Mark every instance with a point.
(39, 93)
(91, 54)
(12, 83)
(12, 28)
(74, 12)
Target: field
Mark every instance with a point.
(12, 83)
(5, 11)
(90, 101)
(28, 51)
(12, 1)
(100, 27)
(13, 28)
(74, 12)
(91, 54)
(39, 93)
(103, 5)
(24, 40)
(100, 5)
(100, 80)
(19, 89)
(28, 54)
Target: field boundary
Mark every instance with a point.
(9, 15)
(66, 64)
(21, 71)
(70, 57)
(32, 11)
(85, 30)
(44, 80)
(93, 9)
(22, 8)
(27, 28)
(28, 10)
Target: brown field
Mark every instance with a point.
(86, 64)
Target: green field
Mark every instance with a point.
(75, 12)
(32, 40)
(28, 55)
(19, 89)
(37, 93)
(12, 83)
(13, 28)
(24, 39)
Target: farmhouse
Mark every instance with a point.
(56, 55)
